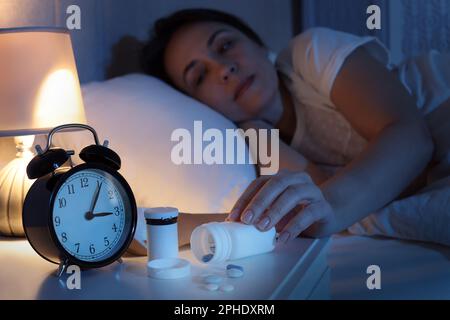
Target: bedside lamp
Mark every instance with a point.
(39, 90)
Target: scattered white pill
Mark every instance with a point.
(235, 273)
(211, 286)
(212, 279)
(227, 288)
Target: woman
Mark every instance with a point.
(353, 137)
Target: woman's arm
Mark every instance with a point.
(380, 109)
(399, 147)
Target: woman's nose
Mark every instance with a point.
(227, 71)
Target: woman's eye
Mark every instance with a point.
(199, 80)
(225, 46)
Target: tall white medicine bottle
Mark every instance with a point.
(162, 232)
(221, 241)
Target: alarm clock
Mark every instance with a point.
(83, 215)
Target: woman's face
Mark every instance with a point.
(223, 68)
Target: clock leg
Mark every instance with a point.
(62, 267)
(120, 261)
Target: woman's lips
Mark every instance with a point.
(243, 86)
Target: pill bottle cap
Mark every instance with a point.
(168, 268)
(161, 214)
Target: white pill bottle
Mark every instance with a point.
(217, 242)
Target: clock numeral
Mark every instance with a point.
(57, 221)
(106, 241)
(71, 188)
(78, 246)
(84, 182)
(110, 194)
(62, 202)
(114, 227)
(116, 211)
(92, 249)
(64, 237)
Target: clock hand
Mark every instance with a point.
(102, 214)
(89, 215)
(94, 200)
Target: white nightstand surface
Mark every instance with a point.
(291, 271)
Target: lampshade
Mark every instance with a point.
(39, 90)
(39, 85)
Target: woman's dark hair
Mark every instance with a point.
(152, 58)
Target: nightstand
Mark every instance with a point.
(292, 271)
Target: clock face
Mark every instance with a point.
(92, 215)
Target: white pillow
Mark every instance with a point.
(137, 114)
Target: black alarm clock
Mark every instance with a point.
(83, 215)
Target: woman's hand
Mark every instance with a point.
(288, 200)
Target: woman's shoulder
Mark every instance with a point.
(310, 53)
(317, 54)
(322, 44)
(319, 42)
(312, 43)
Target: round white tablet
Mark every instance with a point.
(227, 288)
(211, 286)
(235, 273)
(212, 279)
